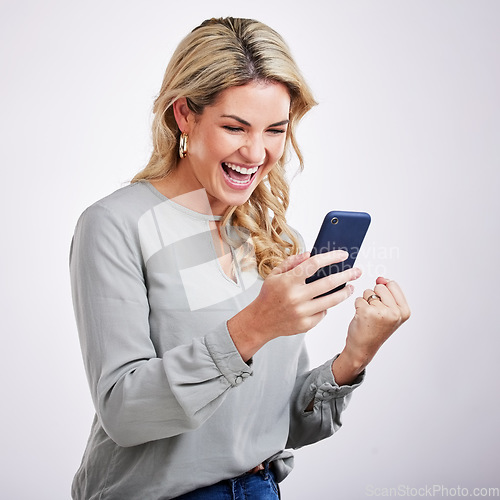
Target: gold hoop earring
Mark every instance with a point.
(183, 145)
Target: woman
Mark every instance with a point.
(190, 295)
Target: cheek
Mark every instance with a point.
(219, 145)
(203, 146)
(278, 149)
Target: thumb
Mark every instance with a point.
(290, 263)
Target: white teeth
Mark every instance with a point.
(242, 170)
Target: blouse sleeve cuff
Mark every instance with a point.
(226, 357)
(325, 386)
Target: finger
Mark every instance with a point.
(367, 293)
(399, 297)
(311, 265)
(396, 292)
(372, 297)
(290, 263)
(385, 296)
(328, 283)
(317, 317)
(361, 304)
(314, 319)
(327, 301)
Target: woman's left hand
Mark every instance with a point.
(379, 313)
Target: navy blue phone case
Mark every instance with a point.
(340, 231)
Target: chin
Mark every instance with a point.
(235, 197)
(236, 201)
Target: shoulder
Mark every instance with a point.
(129, 201)
(114, 220)
(124, 207)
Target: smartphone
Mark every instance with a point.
(340, 231)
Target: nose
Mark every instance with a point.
(254, 150)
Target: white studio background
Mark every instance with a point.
(407, 129)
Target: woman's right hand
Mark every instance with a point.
(286, 304)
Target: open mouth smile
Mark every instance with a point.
(238, 177)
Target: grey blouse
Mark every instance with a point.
(176, 406)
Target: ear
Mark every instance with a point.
(183, 115)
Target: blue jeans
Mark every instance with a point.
(258, 486)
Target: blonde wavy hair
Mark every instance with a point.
(219, 54)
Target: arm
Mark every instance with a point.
(140, 395)
(317, 403)
(287, 305)
(328, 389)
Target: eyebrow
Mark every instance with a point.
(244, 122)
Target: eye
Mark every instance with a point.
(232, 129)
(277, 131)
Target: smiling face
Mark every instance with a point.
(232, 145)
